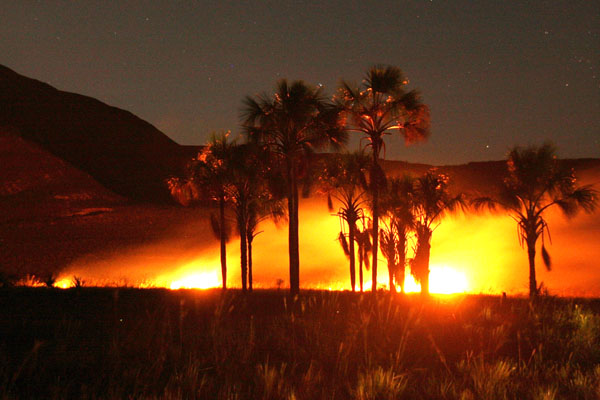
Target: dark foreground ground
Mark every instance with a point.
(154, 343)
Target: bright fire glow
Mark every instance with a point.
(64, 283)
(204, 280)
(442, 280)
(472, 253)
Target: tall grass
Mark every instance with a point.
(94, 343)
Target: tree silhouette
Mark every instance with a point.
(291, 124)
(344, 180)
(377, 108)
(537, 181)
(387, 238)
(208, 177)
(398, 208)
(245, 188)
(363, 241)
(264, 195)
(431, 201)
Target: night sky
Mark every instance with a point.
(495, 73)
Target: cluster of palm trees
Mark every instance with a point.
(265, 176)
(409, 207)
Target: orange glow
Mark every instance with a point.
(205, 280)
(190, 277)
(64, 283)
(469, 253)
(442, 280)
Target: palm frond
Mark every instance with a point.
(484, 203)
(546, 258)
(329, 202)
(586, 197)
(385, 79)
(344, 243)
(216, 227)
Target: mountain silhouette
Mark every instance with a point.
(122, 152)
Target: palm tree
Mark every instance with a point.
(431, 201)
(397, 205)
(208, 176)
(243, 188)
(378, 108)
(537, 181)
(344, 179)
(363, 240)
(291, 124)
(387, 237)
(248, 189)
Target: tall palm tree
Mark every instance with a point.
(537, 181)
(380, 107)
(291, 124)
(344, 179)
(431, 201)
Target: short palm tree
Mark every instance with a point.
(398, 208)
(208, 176)
(431, 201)
(537, 181)
(363, 241)
(266, 206)
(387, 238)
(344, 179)
(291, 124)
(380, 107)
(251, 199)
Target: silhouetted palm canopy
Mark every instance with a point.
(537, 181)
(431, 201)
(291, 124)
(379, 107)
(344, 179)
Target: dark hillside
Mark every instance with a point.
(36, 184)
(122, 152)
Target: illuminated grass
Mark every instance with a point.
(155, 343)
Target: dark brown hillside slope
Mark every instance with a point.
(36, 184)
(52, 213)
(122, 152)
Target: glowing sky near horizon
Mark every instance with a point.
(495, 73)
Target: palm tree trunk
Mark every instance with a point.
(223, 240)
(351, 233)
(421, 262)
(391, 269)
(425, 278)
(532, 280)
(425, 285)
(250, 263)
(243, 252)
(401, 268)
(375, 194)
(293, 246)
(360, 267)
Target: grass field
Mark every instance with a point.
(93, 343)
